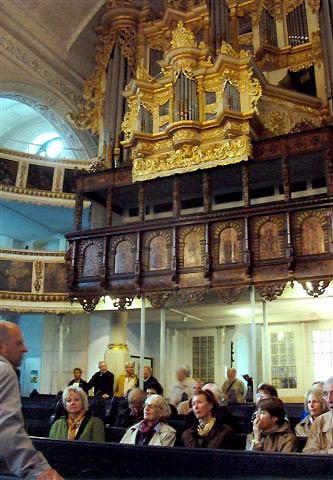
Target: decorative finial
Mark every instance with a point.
(182, 37)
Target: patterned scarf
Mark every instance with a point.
(204, 428)
(74, 425)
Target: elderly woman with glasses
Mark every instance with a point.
(77, 423)
(315, 405)
(153, 429)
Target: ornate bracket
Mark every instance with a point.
(314, 288)
(122, 302)
(89, 303)
(192, 296)
(272, 290)
(228, 295)
(158, 300)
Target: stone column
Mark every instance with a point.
(117, 353)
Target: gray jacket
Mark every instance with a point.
(17, 454)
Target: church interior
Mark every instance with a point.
(167, 188)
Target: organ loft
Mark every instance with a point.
(214, 173)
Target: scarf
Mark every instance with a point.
(74, 425)
(204, 428)
(145, 428)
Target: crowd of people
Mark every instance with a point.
(145, 413)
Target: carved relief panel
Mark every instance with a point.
(311, 232)
(156, 252)
(191, 246)
(122, 254)
(227, 242)
(90, 255)
(268, 237)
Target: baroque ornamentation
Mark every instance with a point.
(315, 288)
(228, 295)
(158, 300)
(192, 296)
(122, 302)
(38, 268)
(182, 37)
(272, 291)
(89, 303)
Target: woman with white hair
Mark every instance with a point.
(153, 429)
(77, 423)
(315, 405)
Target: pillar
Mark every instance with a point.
(117, 353)
(162, 348)
(142, 340)
(265, 343)
(253, 338)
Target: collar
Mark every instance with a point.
(328, 421)
(4, 359)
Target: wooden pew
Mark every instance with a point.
(131, 461)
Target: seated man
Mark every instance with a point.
(320, 436)
(131, 412)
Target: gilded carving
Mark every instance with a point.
(314, 5)
(182, 37)
(131, 118)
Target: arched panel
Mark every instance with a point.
(268, 241)
(228, 246)
(90, 261)
(124, 257)
(158, 253)
(192, 250)
(312, 236)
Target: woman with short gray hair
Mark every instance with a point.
(77, 423)
(153, 429)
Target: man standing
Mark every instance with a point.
(233, 389)
(102, 381)
(148, 378)
(17, 454)
(320, 436)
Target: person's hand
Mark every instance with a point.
(105, 396)
(50, 474)
(256, 429)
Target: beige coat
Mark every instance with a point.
(320, 436)
(164, 436)
(233, 391)
(280, 439)
(303, 427)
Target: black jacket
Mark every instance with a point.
(102, 383)
(82, 384)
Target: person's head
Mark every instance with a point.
(102, 366)
(196, 386)
(182, 373)
(215, 390)
(136, 400)
(77, 372)
(129, 368)
(156, 409)
(265, 390)
(328, 393)
(147, 372)
(319, 385)
(12, 345)
(75, 400)
(204, 405)
(154, 389)
(231, 373)
(271, 412)
(315, 403)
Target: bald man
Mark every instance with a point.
(233, 389)
(17, 454)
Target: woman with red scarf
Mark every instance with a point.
(153, 429)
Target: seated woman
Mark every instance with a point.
(153, 429)
(315, 406)
(78, 423)
(271, 430)
(156, 389)
(208, 431)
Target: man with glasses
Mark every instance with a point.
(320, 438)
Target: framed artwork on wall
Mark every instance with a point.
(148, 361)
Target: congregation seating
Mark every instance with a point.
(132, 461)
